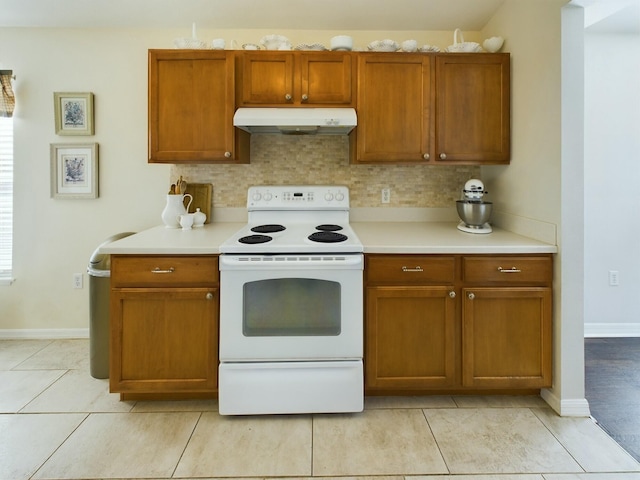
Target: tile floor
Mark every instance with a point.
(57, 422)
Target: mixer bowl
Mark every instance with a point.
(474, 214)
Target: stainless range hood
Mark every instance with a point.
(296, 121)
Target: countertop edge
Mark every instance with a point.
(377, 237)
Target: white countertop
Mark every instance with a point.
(377, 237)
(441, 237)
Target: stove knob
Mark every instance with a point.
(328, 196)
(339, 196)
(268, 196)
(256, 196)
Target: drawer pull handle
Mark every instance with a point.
(510, 270)
(157, 270)
(417, 268)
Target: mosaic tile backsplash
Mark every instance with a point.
(324, 160)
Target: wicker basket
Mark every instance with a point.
(462, 46)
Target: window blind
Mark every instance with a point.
(6, 199)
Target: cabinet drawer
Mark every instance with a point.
(164, 271)
(410, 269)
(507, 269)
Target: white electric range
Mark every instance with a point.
(291, 305)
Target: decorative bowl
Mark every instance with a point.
(383, 46)
(493, 44)
(275, 42)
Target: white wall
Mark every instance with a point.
(612, 183)
(545, 40)
(54, 238)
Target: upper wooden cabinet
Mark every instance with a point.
(191, 107)
(472, 108)
(433, 108)
(394, 98)
(280, 79)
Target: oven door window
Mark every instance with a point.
(285, 307)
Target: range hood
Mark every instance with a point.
(296, 121)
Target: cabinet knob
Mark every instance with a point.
(426, 156)
(452, 294)
(227, 154)
(443, 156)
(471, 295)
(288, 97)
(209, 296)
(305, 97)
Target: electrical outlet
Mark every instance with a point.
(77, 280)
(614, 279)
(386, 195)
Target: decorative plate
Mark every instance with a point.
(316, 47)
(384, 46)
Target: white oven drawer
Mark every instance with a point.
(290, 387)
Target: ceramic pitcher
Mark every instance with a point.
(174, 208)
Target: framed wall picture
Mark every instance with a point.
(74, 170)
(74, 113)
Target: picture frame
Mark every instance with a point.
(73, 113)
(74, 170)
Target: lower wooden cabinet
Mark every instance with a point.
(164, 326)
(410, 337)
(457, 323)
(506, 337)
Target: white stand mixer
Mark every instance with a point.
(474, 213)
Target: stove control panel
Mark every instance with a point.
(298, 197)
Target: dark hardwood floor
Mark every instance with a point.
(612, 388)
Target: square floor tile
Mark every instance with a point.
(14, 352)
(18, 388)
(176, 406)
(514, 476)
(248, 446)
(497, 401)
(592, 476)
(497, 440)
(77, 391)
(26, 441)
(122, 445)
(592, 448)
(375, 442)
(427, 401)
(60, 355)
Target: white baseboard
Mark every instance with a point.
(44, 333)
(594, 330)
(572, 407)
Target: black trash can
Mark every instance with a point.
(99, 270)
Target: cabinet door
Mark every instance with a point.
(191, 107)
(506, 337)
(164, 340)
(326, 79)
(473, 108)
(267, 78)
(410, 338)
(393, 108)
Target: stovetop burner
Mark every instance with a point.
(269, 228)
(254, 239)
(327, 237)
(328, 227)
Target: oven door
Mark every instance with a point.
(291, 307)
